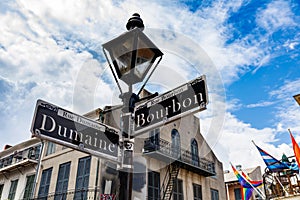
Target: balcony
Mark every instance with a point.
(18, 165)
(78, 194)
(162, 150)
(19, 159)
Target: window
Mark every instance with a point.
(175, 146)
(194, 151)
(82, 179)
(178, 190)
(1, 190)
(62, 181)
(197, 192)
(214, 194)
(237, 194)
(45, 183)
(50, 148)
(139, 177)
(153, 186)
(154, 137)
(13, 189)
(28, 187)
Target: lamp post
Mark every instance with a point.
(297, 98)
(132, 55)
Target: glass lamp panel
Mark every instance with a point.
(124, 63)
(144, 58)
(122, 55)
(141, 69)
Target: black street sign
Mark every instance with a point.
(188, 98)
(66, 128)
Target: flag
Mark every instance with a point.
(296, 149)
(253, 183)
(272, 163)
(247, 185)
(245, 180)
(247, 193)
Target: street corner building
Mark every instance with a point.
(172, 161)
(18, 166)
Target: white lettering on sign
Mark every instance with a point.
(74, 135)
(164, 112)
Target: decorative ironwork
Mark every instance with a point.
(88, 193)
(20, 156)
(164, 147)
(50, 107)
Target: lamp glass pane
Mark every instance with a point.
(123, 55)
(143, 60)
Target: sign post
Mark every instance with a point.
(60, 126)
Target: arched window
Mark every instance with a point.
(194, 152)
(175, 146)
(154, 137)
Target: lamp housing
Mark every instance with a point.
(132, 55)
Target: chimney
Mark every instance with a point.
(7, 146)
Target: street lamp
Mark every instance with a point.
(133, 55)
(297, 98)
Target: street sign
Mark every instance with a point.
(68, 129)
(188, 98)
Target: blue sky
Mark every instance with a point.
(249, 51)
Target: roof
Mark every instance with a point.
(230, 176)
(19, 146)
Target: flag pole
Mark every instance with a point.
(262, 196)
(275, 175)
(281, 185)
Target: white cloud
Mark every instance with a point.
(277, 15)
(261, 104)
(235, 143)
(288, 111)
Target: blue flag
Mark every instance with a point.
(272, 163)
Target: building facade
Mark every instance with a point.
(18, 169)
(170, 162)
(182, 161)
(174, 162)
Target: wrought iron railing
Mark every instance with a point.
(32, 153)
(179, 154)
(79, 194)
